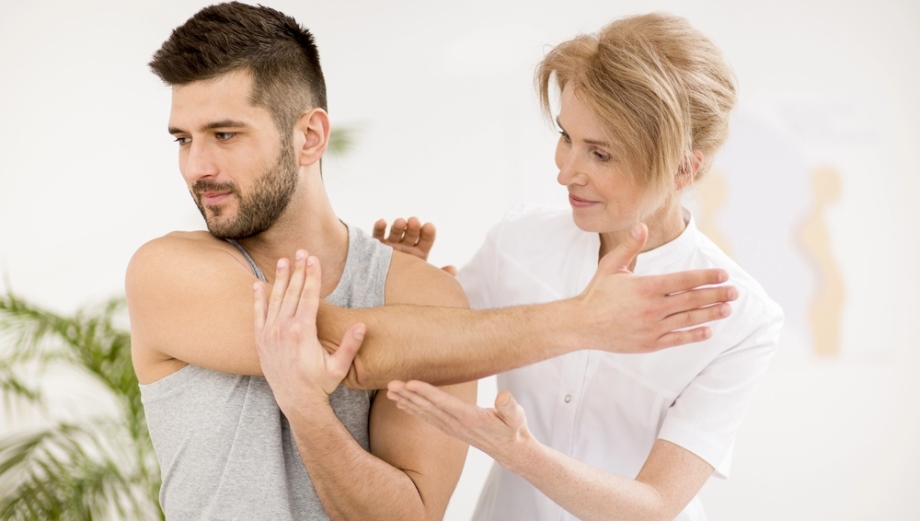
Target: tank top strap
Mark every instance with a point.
(255, 269)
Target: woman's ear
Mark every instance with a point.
(311, 136)
(687, 171)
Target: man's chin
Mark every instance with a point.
(228, 233)
(221, 232)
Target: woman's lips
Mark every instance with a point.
(578, 202)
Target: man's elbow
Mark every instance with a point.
(358, 377)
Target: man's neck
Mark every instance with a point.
(310, 225)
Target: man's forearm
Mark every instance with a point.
(351, 483)
(617, 312)
(446, 345)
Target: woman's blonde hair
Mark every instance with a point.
(661, 89)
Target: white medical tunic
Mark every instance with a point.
(608, 409)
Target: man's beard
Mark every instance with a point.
(257, 211)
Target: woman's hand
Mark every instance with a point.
(409, 236)
(498, 432)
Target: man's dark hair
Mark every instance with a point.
(277, 51)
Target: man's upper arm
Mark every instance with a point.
(189, 302)
(432, 459)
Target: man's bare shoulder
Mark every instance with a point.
(184, 260)
(178, 244)
(190, 300)
(182, 252)
(414, 281)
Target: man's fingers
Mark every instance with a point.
(282, 269)
(684, 327)
(308, 299)
(682, 337)
(260, 306)
(340, 361)
(621, 258)
(292, 295)
(686, 280)
(699, 298)
(696, 317)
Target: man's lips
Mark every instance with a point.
(213, 198)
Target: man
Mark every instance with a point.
(251, 127)
(248, 114)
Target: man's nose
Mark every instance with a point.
(197, 163)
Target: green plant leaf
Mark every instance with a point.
(96, 468)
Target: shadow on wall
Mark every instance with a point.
(826, 303)
(766, 208)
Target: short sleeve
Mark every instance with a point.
(707, 414)
(478, 276)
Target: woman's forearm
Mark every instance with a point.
(586, 492)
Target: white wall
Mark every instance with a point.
(450, 131)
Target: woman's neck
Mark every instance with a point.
(664, 226)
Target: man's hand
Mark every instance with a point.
(410, 237)
(637, 314)
(293, 361)
(494, 431)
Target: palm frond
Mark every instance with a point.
(97, 468)
(12, 387)
(70, 471)
(26, 327)
(342, 140)
(88, 340)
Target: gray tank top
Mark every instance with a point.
(224, 448)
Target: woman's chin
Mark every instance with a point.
(589, 224)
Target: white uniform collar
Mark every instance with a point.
(670, 252)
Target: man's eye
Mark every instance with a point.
(223, 136)
(183, 140)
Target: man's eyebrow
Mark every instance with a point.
(224, 123)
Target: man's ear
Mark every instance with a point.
(687, 171)
(311, 136)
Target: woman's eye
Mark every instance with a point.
(565, 137)
(602, 157)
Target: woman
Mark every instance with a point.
(644, 107)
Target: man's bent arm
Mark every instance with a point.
(618, 312)
(175, 284)
(412, 467)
